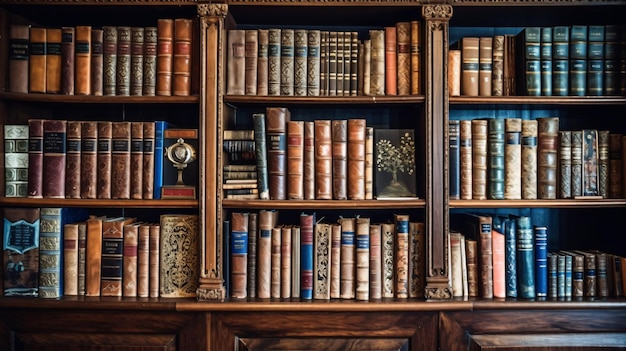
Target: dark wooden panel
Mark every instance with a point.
(327, 344)
(549, 342)
(93, 342)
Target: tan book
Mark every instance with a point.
(456, 275)
(391, 61)
(276, 130)
(72, 160)
(105, 135)
(469, 67)
(348, 280)
(465, 153)
(179, 264)
(97, 62)
(37, 60)
(149, 61)
(109, 60)
(417, 259)
(18, 70)
(323, 160)
(479, 159)
(154, 260)
(251, 54)
(388, 246)
(70, 259)
(122, 69)
(416, 61)
(403, 36)
(182, 57)
(275, 270)
(313, 62)
(130, 260)
(369, 163)
(239, 254)
(136, 160)
(547, 151)
(273, 62)
(285, 262)
(356, 159)
(148, 160)
(362, 258)
(267, 221)
(339, 130)
(287, 61)
(262, 63)
(113, 255)
(82, 256)
(136, 60)
(120, 160)
(335, 261)
(529, 159)
(53, 60)
(367, 67)
(454, 72)
(143, 260)
(322, 261)
(93, 263)
(485, 66)
(82, 61)
(513, 159)
(165, 51)
(377, 62)
(300, 62)
(471, 255)
(497, 74)
(309, 161)
(295, 160)
(402, 256)
(375, 262)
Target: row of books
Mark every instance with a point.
(312, 62)
(574, 60)
(509, 257)
(88, 159)
(321, 159)
(113, 60)
(353, 258)
(51, 252)
(511, 158)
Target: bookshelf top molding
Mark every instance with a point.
(536, 2)
(330, 2)
(101, 2)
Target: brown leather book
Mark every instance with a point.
(109, 60)
(285, 261)
(309, 161)
(18, 72)
(253, 230)
(529, 159)
(103, 169)
(27, 282)
(82, 61)
(332, 55)
(53, 60)
(402, 255)
(479, 228)
(276, 124)
(275, 271)
(295, 160)
(323, 160)
(321, 261)
(362, 258)
(149, 61)
(388, 242)
(236, 65)
(471, 255)
(37, 60)
(239, 255)
(113, 255)
(179, 258)
(454, 72)
(339, 129)
(165, 51)
(82, 256)
(416, 60)
(287, 62)
(513, 159)
(300, 49)
(89, 160)
(72, 161)
(366, 58)
(391, 61)
(130, 260)
(148, 160)
(70, 259)
(93, 264)
(251, 59)
(508, 75)
(369, 163)
(54, 159)
(295, 261)
(356, 159)
(485, 65)
(143, 260)
(466, 158)
(347, 258)
(262, 63)
(120, 160)
(97, 65)
(136, 160)
(469, 66)
(377, 59)
(267, 221)
(122, 70)
(497, 77)
(154, 260)
(417, 259)
(376, 265)
(615, 165)
(547, 151)
(479, 159)
(182, 59)
(403, 37)
(335, 261)
(136, 60)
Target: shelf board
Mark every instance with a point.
(324, 204)
(97, 203)
(325, 100)
(559, 203)
(91, 99)
(538, 100)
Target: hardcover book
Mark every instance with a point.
(113, 255)
(469, 66)
(497, 77)
(300, 57)
(513, 158)
(415, 57)
(541, 260)
(471, 256)
(72, 160)
(253, 228)
(122, 70)
(309, 160)
(356, 159)
(403, 37)
(97, 65)
(54, 158)
(375, 262)
(262, 63)
(251, 54)
(182, 56)
(267, 221)
(276, 129)
(260, 150)
(417, 259)
(547, 151)
(615, 165)
(236, 65)
(313, 62)
(479, 158)
(546, 61)
(603, 163)
(82, 61)
(479, 227)
(485, 66)
(529, 159)
(391, 61)
(136, 60)
(295, 160)
(565, 164)
(496, 155)
(339, 130)
(369, 163)
(154, 263)
(577, 163)
(323, 159)
(136, 160)
(529, 63)
(35, 158)
(109, 60)
(130, 259)
(120, 160)
(510, 256)
(590, 171)
(165, 51)
(388, 245)
(275, 270)
(16, 160)
(560, 60)
(377, 67)
(307, 225)
(18, 71)
(37, 60)
(53, 60)
(362, 258)
(347, 258)
(322, 261)
(273, 61)
(456, 274)
(285, 261)
(70, 259)
(465, 162)
(401, 258)
(239, 254)
(21, 251)
(454, 72)
(93, 256)
(395, 163)
(159, 157)
(335, 261)
(525, 258)
(178, 262)
(149, 61)
(103, 189)
(89, 160)
(454, 162)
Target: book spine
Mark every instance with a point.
(525, 261)
(185, 228)
(154, 263)
(182, 57)
(35, 158)
(73, 158)
(402, 256)
(485, 66)
(109, 60)
(165, 51)
(122, 70)
(264, 253)
(19, 49)
(273, 61)
(603, 163)
(37, 60)
(112, 257)
(332, 56)
(362, 258)
(454, 165)
(323, 159)
(417, 259)
(529, 45)
(295, 261)
(356, 159)
(275, 271)
(261, 155)
(590, 172)
(369, 163)
(70, 259)
(16, 160)
(565, 164)
(263, 63)
(513, 159)
(347, 57)
(149, 61)
(335, 261)
(498, 252)
(276, 124)
(469, 66)
(403, 36)
(147, 185)
(306, 254)
(285, 262)
(496, 155)
(497, 69)
(287, 62)
(136, 60)
(253, 222)
(313, 62)
(510, 256)
(322, 261)
(54, 158)
(375, 262)
(541, 260)
(88, 159)
(456, 281)
(454, 72)
(347, 258)
(120, 160)
(143, 260)
(53, 60)
(97, 62)
(159, 150)
(51, 253)
(577, 163)
(415, 57)
(547, 153)
(377, 59)
(130, 260)
(251, 52)
(546, 61)
(391, 60)
(309, 161)
(366, 49)
(578, 77)
(509, 74)
(611, 60)
(479, 158)
(339, 130)
(615, 165)
(300, 53)
(239, 254)
(82, 61)
(22, 225)
(388, 245)
(295, 160)
(136, 160)
(105, 130)
(93, 254)
(465, 162)
(324, 48)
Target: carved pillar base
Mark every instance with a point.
(438, 293)
(210, 290)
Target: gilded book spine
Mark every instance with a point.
(362, 258)
(262, 63)
(469, 66)
(347, 258)
(103, 170)
(97, 66)
(496, 155)
(130, 260)
(122, 80)
(323, 160)
(182, 57)
(251, 60)
(375, 262)
(388, 245)
(417, 259)
(295, 160)
(149, 61)
(273, 61)
(300, 56)
(565, 164)
(165, 50)
(547, 150)
(82, 61)
(35, 158)
(529, 159)
(286, 59)
(54, 158)
(19, 58)
(309, 160)
(322, 262)
(73, 157)
(577, 163)
(109, 60)
(179, 266)
(313, 62)
(465, 155)
(239, 254)
(339, 158)
(53, 60)
(402, 256)
(276, 124)
(415, 57)
(335, 261)
(136, 160)
(377, 70)
(136, 60)
(120, 160)
(479, 159)
(485, 66)
(89, 160)
(403, 36)
(356, 159)
(513, 159)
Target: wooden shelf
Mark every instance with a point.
(538, 100)
(559, 203)
(325, 100)
(91, 99)
(97, 203)
(324, 204)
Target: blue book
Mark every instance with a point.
(307, 225)
(560, 61)
(553, 276)
(529, 44)
(578, 77)
(546, 61)
(568, 276)
(595, 77)
(578, 42)
(159, 158)
(510, 254)
(541, 261)
(261, 156)
(595, 43)
(525, 258)
(454, 147)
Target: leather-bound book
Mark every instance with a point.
(181, 65)
(267, 221)
(525, 258)
(565, 164)
(287, 62)
(590, 278)
(143, 260)
(388, 246)
(454, 72)
(261, 155)
(578, 274)
(21, 225)
(335, 261)
(35, 158)
(285, 261)
(120, 160)
(137, 38)
(403, 37)
(509, 75)
(130, 259)
(136, 160)
(456, 274)
(577, 163)
(546, 61)
(602, 277)
(362, 258)
(179, 258)
(331, 73)
(366, 57)
(295, 261)
(354, 63)
(109, 60)
(347, 258)
(377, 70)
(113, 255)
(309, 160)
(323, 160)
(273, 61)
(253, 229)
(479, 158)
(498, 251)
(16, 160)
(485, 66)
(603, 163)
(154, 263)
(339, 129)
(19, 42)
(251, 60)
(70, 259)
(347, 54)
(454, 159)
(295, 160)
(611, 60)
(541, 260)
(72, 160)
(149, 61)
(590, 173)
(307, 227)
(54, 159)
(547, 154)
(88, 159)
(324, 64)
(578, 60)
(239, 255)
(322, 261)
(356, 158)
(165, 51)
(53, 60)
(103, 169)
(479, 227)
(300, 57)
(465, 154)
(37, 60)
(391, 61)
(560, 60)
(122, 72)
(528, 49)
(401, 260)
(529, 159)
(97, 62)
(262, 63)
(93, 263)
(276, 124)
(469, 66)
(513, 158)
(375, 262)
(417, 259)
(615, 165)
(496, 155)
(313, 62)
(148, 160)
(510, 256)
(471, 256)
(82, 61)
(369, 163)
(497, 77)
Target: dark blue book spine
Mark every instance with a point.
(541, 261)
(611, 60)
(578, 77)
(560, 276)
(553, 283)
(496, 158)
(306, 255)
(595, 75)
(560, 77)
(261, 156)
(546, 61)
(578, 43)
(611, 77)
(159, 129)
(525, 259)
(595, 44)
(510, 254)
(533, 77)
(454, 140)
(560, 43)
(529, 41)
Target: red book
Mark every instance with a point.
(391, 63)
(53, 169)
(72, 163)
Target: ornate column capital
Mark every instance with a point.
(212, 10)
(437, 11)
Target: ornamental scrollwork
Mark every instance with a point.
(212, 10)
(437, 11)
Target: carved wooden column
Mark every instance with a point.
(212, 35)
(437, 19)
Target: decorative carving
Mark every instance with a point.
(204, 294)
(212, 10)
(528, 2)
(437, 11)
(439, 293)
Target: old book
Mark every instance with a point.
(454, 159)
(182, 56)
(307, 252)
(159, 157)
(602, 273)
(113, 255)
(109, 60)
(253, 228)
(391, 61)
(579, 37)
(611, 60)
(70, 259)
(260, 143)
(362, 258)
(498, 251)
(496, 158)
(136, 160)
(454, 72)
(262, 63)
(560, 60)
(309, 160)
(313, 62)
(509, 74)
(130, 259)
(416, 54)
(479, 227)
(37, 60)
(456, 274)
(295, 160)
(565, 164)
(300, 58)
(82, 61)
(18, 70)
(21, 251)
(335, 261)
(53, 60)
(577, 163)
(120, 160)
(525, 258)
(375, 262)
(471, 256)
(347, 59)
(324, 64)
(97, 62)
(356, 159)
(178, 264)
(122, 70)
(322, 261)
(251, 55)
(137, 38)
(529, 159)
(590, 277)
(510, 256)
(285, 261)
(93, 256)
(369, 163)
(546, 61)
(154, 263)
(603, 163)
(401, 258)
(366, 58)
(89, 160)
(54, 158)
(348, 281)
(469, 66)
(16, 160)
(388, 246)
(105, 135)
(149, 61)
(143, 260)
(287, 61)
(332, 56)
(323, 159)
(479, 158)
(403, 52)
(147, 185)
(165, 52)
(267, 220)
(395, 163)
(339, 130)
(497, 72)
(273, 61)
(590, 172)
(276, 124)
(35, 158)
(513, 158)
(239, 254)
(417, 259)
(485, 66)
(528, 48)
(377, 62)
(578, 274)
(465, 154)
(295, 261)
(72, 160)
(615, 165)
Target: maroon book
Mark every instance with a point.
(35, 158)
(54, 159)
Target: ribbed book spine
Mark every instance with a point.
(136, 60)
(496, 152)
(323, 160)
(53, 60)
(560, 60)
(322, 261)
(403, 37)
(264, 253)
(541, 261)
(603, 163)
(565, 164)
(611, 60)
(339, 129)
(149, 61)
(54, 158)
(469, 66)
(525, 261)
(136, 160)
(377, 70)
(388, 246)
(253, 223)
(375, 262)
(307, 222)
(577, 163)
(454, 140)
(402, 256)
(497, 66)
(68, 47)
(513, 159)
(485, 66)
(547, 154)
(287, 44)
(335, 261)
(546, 61)
(362, 258)
(109, 60)
(465, 162)
(510, 256)
(261, 155)
(309, 160)
(347, 289)
(276, 124)
(479, 158)
(37, 60)
(251, 60)
(313, 62)
(123, 73)
(595, 64)
(97, 66)
(273, 55)
(262, 63)
(356, 159)
(285, 261)
(35, 158)
(182, 57)
(295, 160)
(72, 162)
(239, 254)
(165, 51)
(415, 57)
(578, 60)
(417, 259)
(300, 57)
